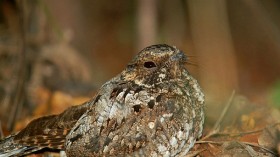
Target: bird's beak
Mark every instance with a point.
(180, 56)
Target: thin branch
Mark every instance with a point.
(217, 125)
(211, 142)
(246, 143)
(19, 95)
(249, 149)
(195, 153)
(258, 146)
(247, 132)
(1, 131)
(239, 133)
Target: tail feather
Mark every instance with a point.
(10, 148)
(46, 132)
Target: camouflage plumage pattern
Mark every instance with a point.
(154, 107)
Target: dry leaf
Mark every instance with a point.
(270, 137)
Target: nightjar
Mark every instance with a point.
(154, 107)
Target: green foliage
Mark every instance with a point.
(275, 94)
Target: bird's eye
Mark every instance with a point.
(149, 64)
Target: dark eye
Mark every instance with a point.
(149, 64)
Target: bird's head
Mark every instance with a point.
(155, 64)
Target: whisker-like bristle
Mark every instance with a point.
(191, 63)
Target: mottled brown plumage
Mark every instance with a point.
(152, 108)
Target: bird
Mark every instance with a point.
(154, 107)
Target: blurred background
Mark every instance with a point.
(54, 54)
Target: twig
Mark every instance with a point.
(195, 153)
(249, 149)
(258, 146)
(19, 95)
(211, 142)
(216, 127)
(239, 133)
(1, 131)
(246, 143)
(245, 133)
(218, 123)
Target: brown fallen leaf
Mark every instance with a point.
(270, 137)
